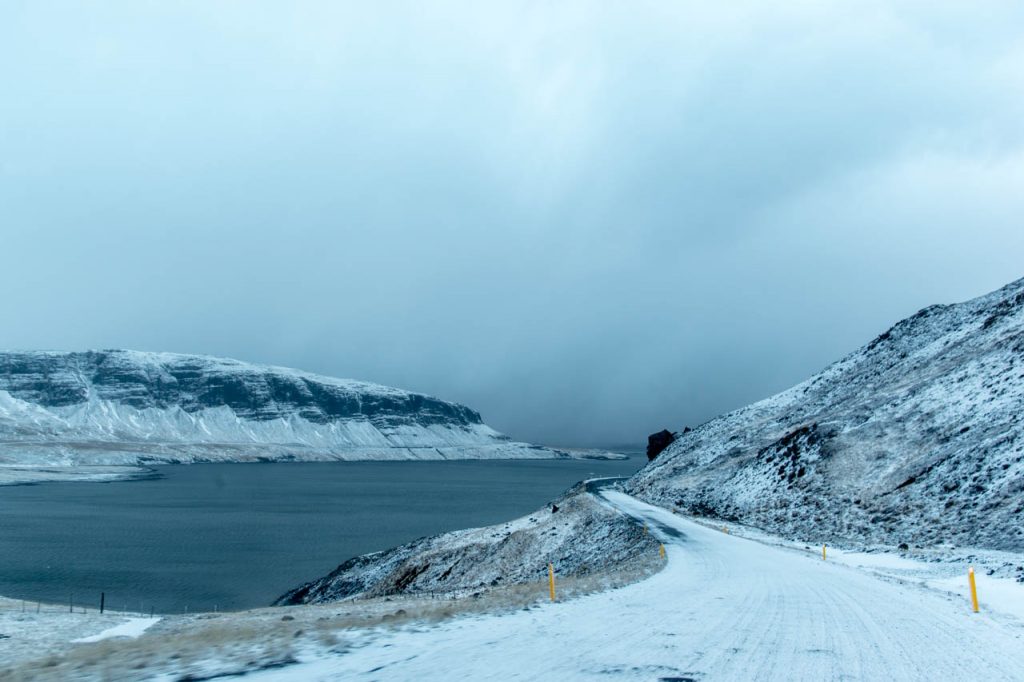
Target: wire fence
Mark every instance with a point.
(80, 606)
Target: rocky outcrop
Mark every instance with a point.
(917, 438)
(657, 442)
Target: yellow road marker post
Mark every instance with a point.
(974, 588)
(823, 553)
(661, 551)
(645, 528)
(551, 580)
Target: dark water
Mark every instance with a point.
(235, 536)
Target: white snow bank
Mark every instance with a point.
(132, 628)
(994, 594)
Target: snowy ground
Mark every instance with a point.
(733, 605)
(55, 644)
(725, 608)
(29, 630)
(11, 474)
(132, 628)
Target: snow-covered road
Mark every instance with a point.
(724, 608)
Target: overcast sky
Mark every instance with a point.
(588, 221)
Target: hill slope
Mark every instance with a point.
(915, 438)
(127, 407)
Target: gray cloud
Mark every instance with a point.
(587, 220)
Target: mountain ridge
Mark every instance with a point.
(131, 407)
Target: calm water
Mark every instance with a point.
(239, 535)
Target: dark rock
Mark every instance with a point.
(657, 442)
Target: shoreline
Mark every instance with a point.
(14, 474)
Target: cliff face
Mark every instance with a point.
(194, 383)
(113, 407)
(917, 438)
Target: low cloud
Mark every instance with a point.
(587, 221)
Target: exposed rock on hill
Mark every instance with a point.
(916, 438)
(657, 442)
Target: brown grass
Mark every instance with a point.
(204, 645)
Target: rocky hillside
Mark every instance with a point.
(126, 407)
(580, 535)
(915, 438)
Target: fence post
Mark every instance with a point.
(103, 601)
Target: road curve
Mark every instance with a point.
(724, 608)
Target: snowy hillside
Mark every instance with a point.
(126, 407)
(580, 535)
(915, 438)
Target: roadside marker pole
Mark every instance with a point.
(645, 528)
(974, 588)
(823, 552)
(661, 551)
(551, 580)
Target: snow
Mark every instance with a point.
(724, 607)
(914, 439)
(207, 431)
(123, 408)
(127, 408)
(131, 628)
(585, 538)
(1003, 595)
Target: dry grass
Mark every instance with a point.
(213, 645)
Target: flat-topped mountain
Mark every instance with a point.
(916, 438)
(128, 407)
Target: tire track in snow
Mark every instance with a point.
(723, 608)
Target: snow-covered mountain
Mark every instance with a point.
(127, 407)
(915, 438)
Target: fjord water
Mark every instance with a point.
(234, 536)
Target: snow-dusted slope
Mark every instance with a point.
(915, 438)
(581, 535)
(126, 407)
